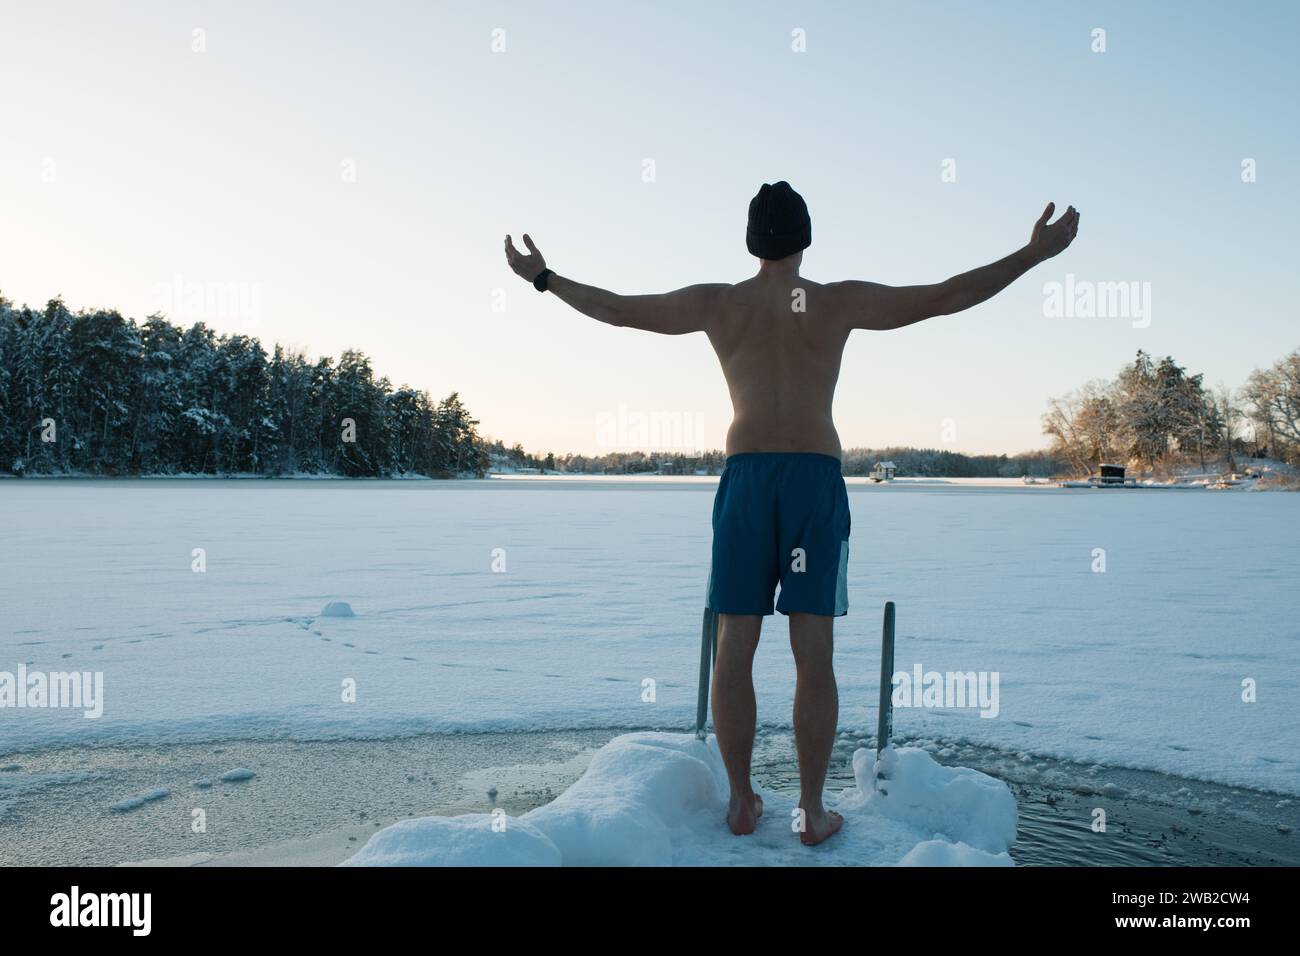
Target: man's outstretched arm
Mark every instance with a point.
(672, 313)
(870, 305)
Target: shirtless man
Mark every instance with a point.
(782, 514)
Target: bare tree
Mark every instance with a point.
(1083, 425)
(1273, 397)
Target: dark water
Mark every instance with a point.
(1151, 819)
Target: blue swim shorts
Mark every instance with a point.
(780, 517)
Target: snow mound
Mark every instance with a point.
(658, 799)
(940, 853)
(238, 775)
(474, 839)
(337, 609)
(957, 803)
(639, 791)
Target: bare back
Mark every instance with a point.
(779, 342)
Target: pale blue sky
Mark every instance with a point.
(225, 167)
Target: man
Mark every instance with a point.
(782, 514)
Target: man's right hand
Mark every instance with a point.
(1051, 239)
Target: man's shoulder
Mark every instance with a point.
(854, 296)
(709, 290)
(853, 286)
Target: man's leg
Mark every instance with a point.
(735, 713)
(816, 714)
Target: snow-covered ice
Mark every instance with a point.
(593, 618)
(657, 799)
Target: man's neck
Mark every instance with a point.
(777, 269)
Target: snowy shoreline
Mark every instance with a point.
(224, 732)
(317, 803)
(631, 481)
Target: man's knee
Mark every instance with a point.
(813, 643)
(738, 631)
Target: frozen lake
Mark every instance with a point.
(1140, 666)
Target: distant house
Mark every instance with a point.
(883, 471)
(1111, 474)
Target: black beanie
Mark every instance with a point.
(778, 222)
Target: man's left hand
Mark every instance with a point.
(527, 267)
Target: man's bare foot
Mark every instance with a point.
(743, 814)
(820, 826)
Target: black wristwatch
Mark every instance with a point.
(540, 282)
